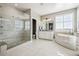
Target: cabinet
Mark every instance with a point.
(46, 35)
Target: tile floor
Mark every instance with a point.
(40, 48)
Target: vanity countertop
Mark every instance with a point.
(46, 31)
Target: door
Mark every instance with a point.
(34, 28)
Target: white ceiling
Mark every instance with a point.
(43, 8)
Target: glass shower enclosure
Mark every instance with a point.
(14, 31)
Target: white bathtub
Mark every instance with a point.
(66, 40)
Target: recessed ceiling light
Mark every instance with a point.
(15, 4)
(41, 4)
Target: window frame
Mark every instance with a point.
(21, 28)
(64, 23)
(28, 25)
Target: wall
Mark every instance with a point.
(77, 26)
(13, 37)
(60, 40)
(52, 16)
(11, 12)
(37, 17)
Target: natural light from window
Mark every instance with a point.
(64, 22)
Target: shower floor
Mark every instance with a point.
(11, 45)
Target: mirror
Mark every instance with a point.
(50, 26)
(46, 25)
